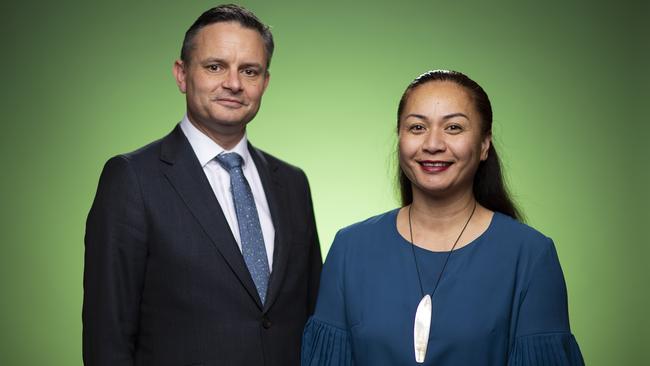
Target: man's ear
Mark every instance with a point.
(179, 75)
(266, 79)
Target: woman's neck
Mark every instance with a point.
(436, 222)
(438, 214)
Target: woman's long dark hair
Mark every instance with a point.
(489, 188)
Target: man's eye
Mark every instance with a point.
(214, 67)
(250, 72)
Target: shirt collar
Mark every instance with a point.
(206, 149)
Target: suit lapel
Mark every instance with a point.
(186, 175)
(274, 190)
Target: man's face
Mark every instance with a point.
(225, 77)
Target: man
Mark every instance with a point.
(200, 248)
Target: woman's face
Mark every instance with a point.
(440, 139)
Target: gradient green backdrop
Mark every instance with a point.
(569, 82)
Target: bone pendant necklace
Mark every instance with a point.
(422, 323)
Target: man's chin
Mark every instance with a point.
(229, 118)
(219, 123)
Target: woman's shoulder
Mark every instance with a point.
(371, 231)
(519, 235)
(353, 241)
(370, 225)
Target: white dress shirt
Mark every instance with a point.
(206, 150)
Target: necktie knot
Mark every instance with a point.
(230, 161)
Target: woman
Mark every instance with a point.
(452, 277)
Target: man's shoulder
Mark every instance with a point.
(276, 164)
(148, 151)
(154, 150)
(140, 162)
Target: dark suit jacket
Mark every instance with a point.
(164, 280)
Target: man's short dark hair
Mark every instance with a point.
(228, 13)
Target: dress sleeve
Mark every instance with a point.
(326, 339)
(543, 336)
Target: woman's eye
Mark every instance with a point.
(454, 128)
(416, 128)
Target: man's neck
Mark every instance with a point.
(226, 139)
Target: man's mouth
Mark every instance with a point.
(230, 102)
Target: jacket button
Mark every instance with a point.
(266, 323)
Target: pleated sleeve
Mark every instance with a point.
(324, 344)
(326, 338)
(543, 336)
(559, 349)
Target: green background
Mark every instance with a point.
(569, 82)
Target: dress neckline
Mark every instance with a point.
(471, 244)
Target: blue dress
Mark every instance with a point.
(501, 301)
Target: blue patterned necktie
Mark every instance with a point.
(250, 230)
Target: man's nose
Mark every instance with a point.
(232, 81)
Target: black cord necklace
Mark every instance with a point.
(422, 324)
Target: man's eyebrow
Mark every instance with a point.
(222, 61)
(252, 64)
(213, 59)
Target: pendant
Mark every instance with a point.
(421, 328)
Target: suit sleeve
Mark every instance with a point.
(315, 258)
(114, 266)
